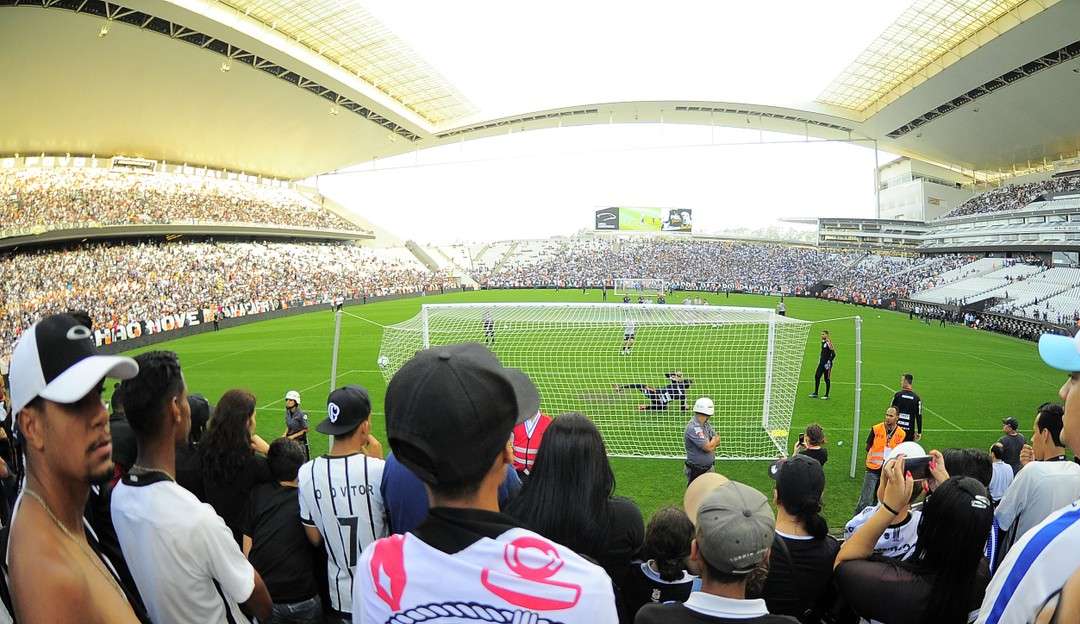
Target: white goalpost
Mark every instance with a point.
(635, 369)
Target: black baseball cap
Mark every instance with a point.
(57, 359)
(346, 409)
(798, 475)
(200, 410)
(1012, 422)
(451, 409)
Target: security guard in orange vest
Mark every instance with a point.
(884, 435)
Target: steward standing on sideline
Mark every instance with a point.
(700, 440)
(296, 421)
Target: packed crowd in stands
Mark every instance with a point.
(1014, 196)
(118, 283)
(683, 264)
(40, 197)
(876, 278)
(485, 509)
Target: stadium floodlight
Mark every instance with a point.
(639, 287)
(746, 359)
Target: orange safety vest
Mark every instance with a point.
(527, 438)
(876, 457)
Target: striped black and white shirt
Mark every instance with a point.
(341, 497)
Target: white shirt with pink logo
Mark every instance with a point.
(517, 578)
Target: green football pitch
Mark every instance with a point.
(968, 380)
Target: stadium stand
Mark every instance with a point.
(1014, 196)
(87, 197)
(120, 283)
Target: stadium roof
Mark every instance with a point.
(290, 88)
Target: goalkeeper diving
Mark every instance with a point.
(658, 399)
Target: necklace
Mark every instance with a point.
(144, 470)
(95, 560)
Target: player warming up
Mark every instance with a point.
(629, 332)
(824, 367)
(489, 329)
(659, 399)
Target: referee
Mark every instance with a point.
(824, 367)
(909, 406)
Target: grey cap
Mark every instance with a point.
(735, 525)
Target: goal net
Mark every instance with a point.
(639, 287)
(640, 393)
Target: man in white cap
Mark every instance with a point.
(296, 421)
(700, 441)
(58, 572)
(1042, 560)
(734, 531)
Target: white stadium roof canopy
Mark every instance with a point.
(290, 88)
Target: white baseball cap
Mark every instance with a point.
(292, 395)
(704, 405)
(56, 359)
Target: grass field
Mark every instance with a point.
(968, 380)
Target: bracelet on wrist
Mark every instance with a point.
(889, 509)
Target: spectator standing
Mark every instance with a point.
(1040, 562)
(183, 556)
(56, 377)
(275, 542)
(812, 444)
(569, 498)
(732, 538)
(801, 560)
(1045, 484)
(124, 449)
(341, 503)
(662, 577)
(230, 468)
(188, 467)
(527, 438)
(945, 579)
(407, 501)
(909, 408)
(1002, 476)
(882, 437)
(465, 552)
(296, 421)
(1013, 442)
(898, 540)
(700, 441)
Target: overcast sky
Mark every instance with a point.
(548, 182)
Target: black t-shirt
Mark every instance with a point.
(909, 406)
(280, 550)
(229, 498)
(643, 586)
(799, 573)
(860, 583)
(827, 353)
(124, 447)
(820, 454)
(189, 471)
(679, 614)
(626, 533)
(1013, 445)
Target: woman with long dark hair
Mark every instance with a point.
(944, 581)
(569, 497)
(801, 560)
(230, 467)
